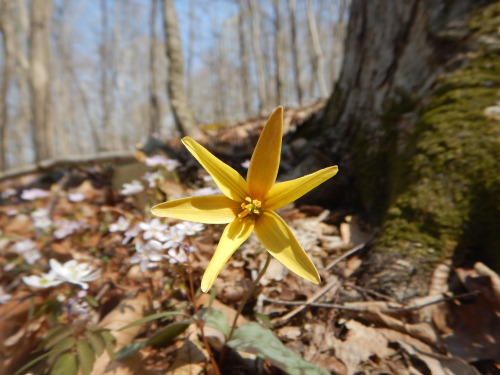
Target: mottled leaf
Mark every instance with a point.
(253, 338)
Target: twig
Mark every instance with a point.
(438, 300)
(357, 248)
(303, 304)
(333, 282)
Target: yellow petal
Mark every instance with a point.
(286, 192)
(266, 157)
(227, 179)
(279, 240)
(207, 209)
(233, 236)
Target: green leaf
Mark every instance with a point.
(169, 332)
(96, 341)
(110, 341)
(86, 356)
(152, 317)
(58, 335)
(253, 338)
(264, 320)
(64, 345)
(65, 365)
(128, 350)
(216, 319)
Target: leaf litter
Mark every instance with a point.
(337, 327)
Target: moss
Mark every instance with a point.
(452, 202)
(378, 187)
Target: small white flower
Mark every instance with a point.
(154, 230)
(74, 273)
(32, 194)
(121, 225)
(175, 237)
(189, 228)
(147, 254)
(131, 188)
(41, 218)
(246, 164)
(152, 178)
(206, 191)
(76, 197)
(46, 280)
(177, 256)
(28, 250)
(4, 297)
(162, 161)
(7, 193)
(65, 227)
(131, 233)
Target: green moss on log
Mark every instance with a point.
(452, 204)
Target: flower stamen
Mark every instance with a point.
(251, 207)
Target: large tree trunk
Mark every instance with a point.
(184, 119)
(412, 125)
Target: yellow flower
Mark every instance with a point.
(248, 206)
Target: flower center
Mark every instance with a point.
(252, 206)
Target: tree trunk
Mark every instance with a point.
(279, 54)
(299, 88)
(40, 77)
(154, 106)
(318, 57)
(183, 117)
(244, 69)
(413, 124)
(6, 32)
(257, 51)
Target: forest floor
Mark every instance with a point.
(128, 300)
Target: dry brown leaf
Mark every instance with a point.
(128, 311)
(360, 343)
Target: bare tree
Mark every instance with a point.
(154, 106)
(257, 50)
(299, 88)
(279, 53)
(40, 77)
(318, 58)
(243, 51)
(183, 117)
(6, 32)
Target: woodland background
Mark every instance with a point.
(402, 95)
(83, 77)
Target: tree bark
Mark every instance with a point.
(257, 51)
(40, 77)
(318, 56)
(244, 69)
(296, 63)
(412, 126)
(279, 53)
(154, 107)
(6, 31)
(183, 117)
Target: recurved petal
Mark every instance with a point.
(286, 192)
(233, 236)
(207, 209)
(278, 239)
(229, 181)
(265, 160)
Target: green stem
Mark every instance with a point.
(248, 294)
